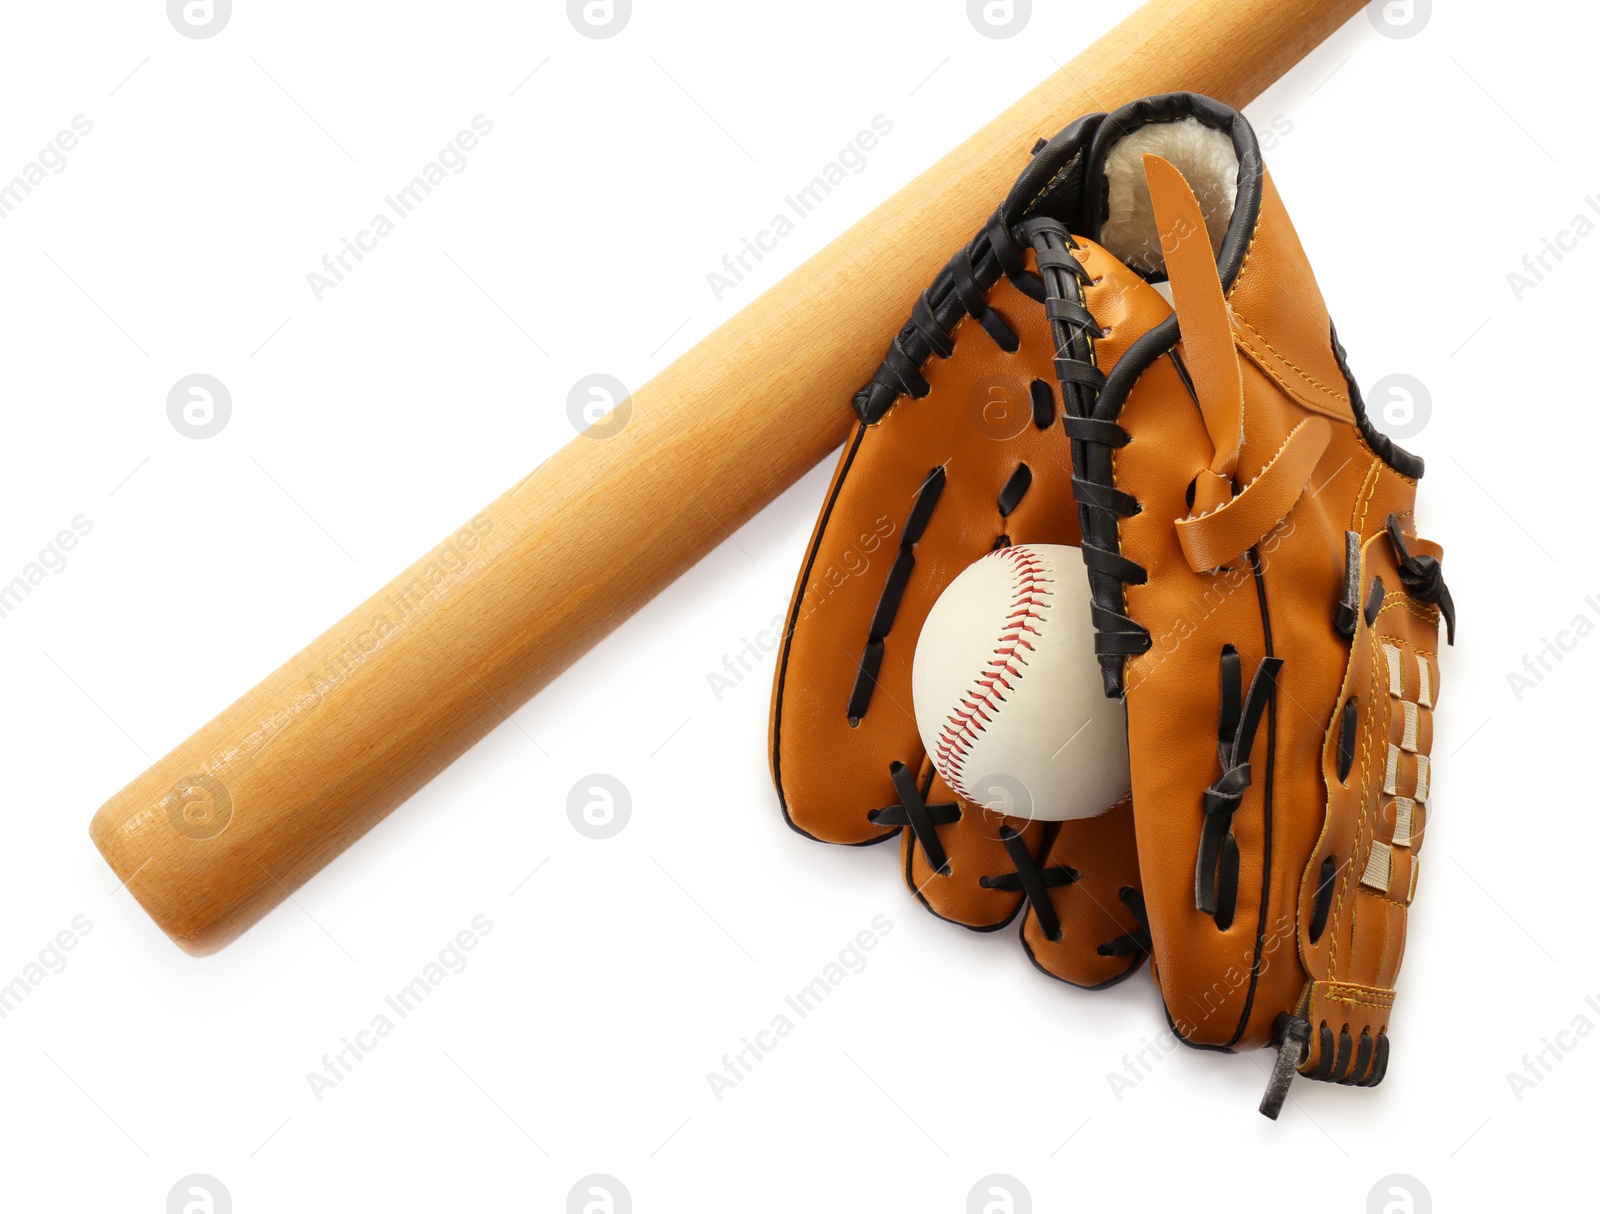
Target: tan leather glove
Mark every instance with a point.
(1260, 599)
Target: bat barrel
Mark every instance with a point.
(233, 820)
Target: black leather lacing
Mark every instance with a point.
(1423, 578)
(1386, 449)
(1374, 601)
(961, 289)
(914, 811)
(1341, 1058)
(1323, 903)
(1075, 330)
(1136, 941)
(1371, 1056)
(1036, 880)
(1032, 879)
(1347, 740)
(1216, 870)
(905, 560)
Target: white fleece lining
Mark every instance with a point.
(1206, 158)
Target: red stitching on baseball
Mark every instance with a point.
(1000, 674)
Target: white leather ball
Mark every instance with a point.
(1007, 690)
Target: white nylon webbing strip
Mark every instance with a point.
(1425, 693)
(1408, 742)
(1403, 810)
(1423, 771)
(1396, 679)
(1393, 771)
(1380, 867)
(1416, 867)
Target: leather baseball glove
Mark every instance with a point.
(1261, 601)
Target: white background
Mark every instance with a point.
(367, 425)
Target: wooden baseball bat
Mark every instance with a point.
(231, 822)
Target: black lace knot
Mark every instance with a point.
(1422, 575)
(1216, 870)
(1225, 795)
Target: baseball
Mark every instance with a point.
(1007, 690)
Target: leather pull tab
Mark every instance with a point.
(1210, 541)
(1212, 491)
(1222, 524)
(1208, 349)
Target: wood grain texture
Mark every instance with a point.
(231, 822)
